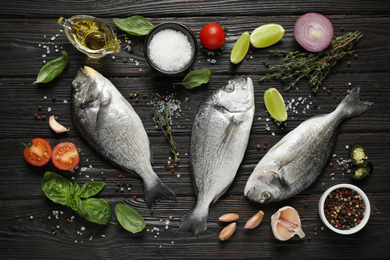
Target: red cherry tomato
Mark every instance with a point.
(37, 152)
(212, 36)
(65, 156)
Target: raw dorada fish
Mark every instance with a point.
(109, 123)
(296, 161)
(220, 134)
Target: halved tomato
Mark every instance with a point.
(65, 156)
(37, 152)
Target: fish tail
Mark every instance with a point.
(196, 220)
(156, 191)
(352, 105)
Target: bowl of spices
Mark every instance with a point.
(170, 48)
(344, 209)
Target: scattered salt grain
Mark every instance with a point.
(170, 50)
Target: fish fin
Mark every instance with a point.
(151, 159)
(352, 105)
(155, 191)
(229, 132)
(220, 194)
(196, 220)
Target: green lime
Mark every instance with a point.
(267, 35)
(240, 48)
(274, 104)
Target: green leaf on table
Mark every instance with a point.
(90, 189)
(94, 210)
(134, 25)
(52, 69)
(57, 188)
(195, 78)
(129, 218)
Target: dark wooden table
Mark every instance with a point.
(26, 230)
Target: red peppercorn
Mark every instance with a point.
(335, 216)
(334, 96)
(358, 221)
(173, 171)
(134, 197)
(68, 220)
(121, 175)
(350, 53)
(332, 171)
(346, 192)
(161, 97)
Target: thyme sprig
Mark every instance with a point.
(164, 123)
(313, 66)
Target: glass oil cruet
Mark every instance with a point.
(90, 35)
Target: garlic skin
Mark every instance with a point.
(57, 127)
(286, 223)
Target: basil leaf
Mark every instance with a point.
(129, 218)
(195, 78)
(52, 69)
(75, 189)
(134, 25)
(90, 189)
(57, 188)
(93, 209)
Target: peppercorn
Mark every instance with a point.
(131, 95)
(39, 107)
(113, 58)
(53, 98)
(315, 234)
(334, 96)
(247, 57)
(258, 146)
(276, 53)
(36, 116)
(254, 67)
(306, 205)
(265, 63)
(43, 117)
(349, 63)
(136, 100)
(122, 189)
(329, 92)
(117, 188)
(144, 95)
(356, 56)
(124, 60)
(330, 86)
(104, 176)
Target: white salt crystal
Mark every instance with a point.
(170, 50)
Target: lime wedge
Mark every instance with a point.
(267, 35)
(240, 48)
(274, 104)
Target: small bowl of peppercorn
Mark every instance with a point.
(344, 209)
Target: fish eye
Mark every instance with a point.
(230, 86)
(266, 195)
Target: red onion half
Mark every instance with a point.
(313, 31)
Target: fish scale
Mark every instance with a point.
(219, 138)
(110, 125)
(296, 161)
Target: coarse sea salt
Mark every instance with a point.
(170, 50)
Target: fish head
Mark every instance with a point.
(237, 95)
(88, 88)
(264, 186)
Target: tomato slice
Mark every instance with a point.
(65, 156)
(37, 152)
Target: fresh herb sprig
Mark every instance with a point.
(60, 190)
(164, 123)
(313, 66)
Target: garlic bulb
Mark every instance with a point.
(286, 223)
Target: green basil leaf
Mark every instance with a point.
(57, 188)
(129, 218)
(52, 69)
(134, 25)
(75, 189)
(90, 189)
(93, 209)
(77, 205)
(195, 78)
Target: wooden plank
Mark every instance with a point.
(23, 55)
(176, 8)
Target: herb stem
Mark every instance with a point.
(313, 66)
(163, 121)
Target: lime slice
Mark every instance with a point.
(267, 35)
(274, 103)
(240, 48)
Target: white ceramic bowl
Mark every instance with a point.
(354, 229)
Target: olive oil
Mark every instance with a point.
(90, 35)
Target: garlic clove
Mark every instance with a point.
(57, 127)
(229, 217)
(286, 223)
(255, 220)
(228, 231)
